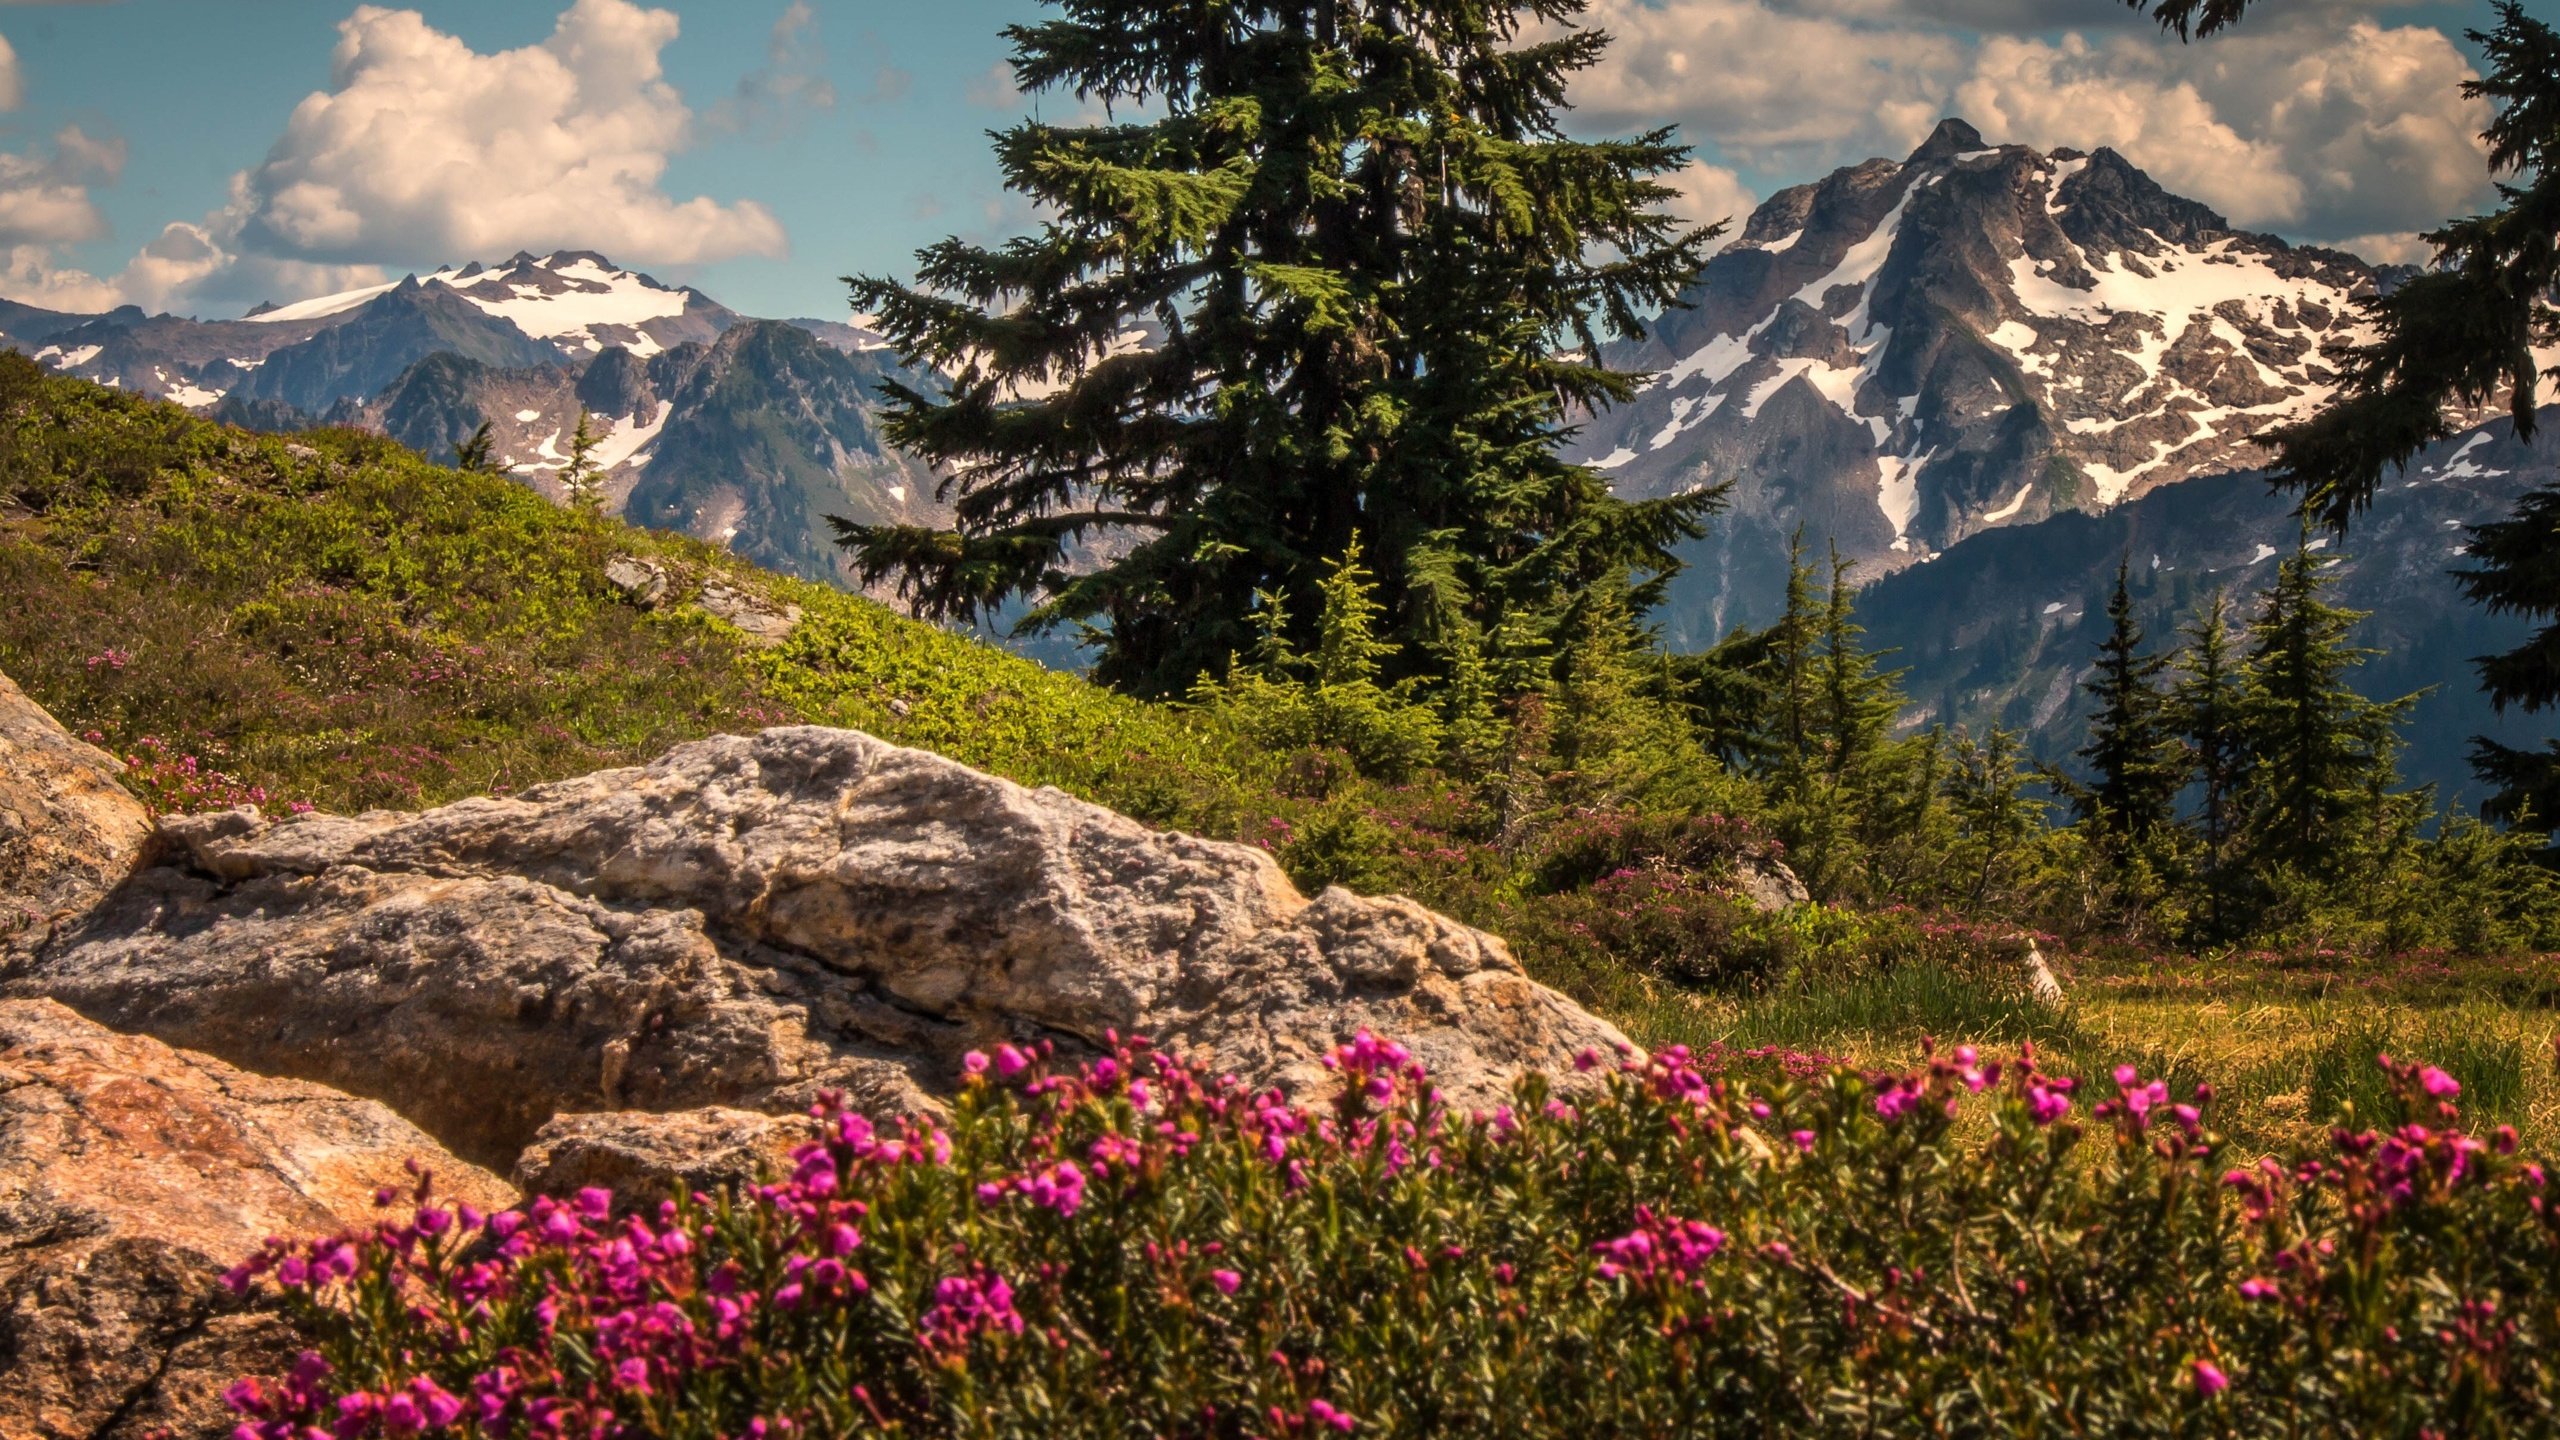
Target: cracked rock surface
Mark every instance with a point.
(131, 1176)
(751, 919)
(68, 831)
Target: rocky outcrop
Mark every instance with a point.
(1769, 884)
(131, 1176)
(764, 622)
(69, 832)
(642, 1157)
(752, 919)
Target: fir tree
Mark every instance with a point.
(579, 479)
(1858, 703)
(1374, 275)
(2133, 753)
(1790, 678)
(2209, 702)
(1995, 818)
(2516, 571)
(2323, 751)
(477, 455)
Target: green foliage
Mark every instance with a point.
(1693, 1245)
(479, 452)
(2347, 1086)
(578, 478)
(1374, 273)
(2133, 749)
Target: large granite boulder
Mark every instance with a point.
(69, 832)
(751, 919)
(131, 1176)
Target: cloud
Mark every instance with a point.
(791, 85)
(423, 148)
(2317, 120)
(44, 193)
(420, 149)
(1711, 193)
(13, 87)
(995, 90)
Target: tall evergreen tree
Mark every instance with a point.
(2133, 752)
(478, 454)
(2324, 752)
(2516, 571)
(1790, 673)
(1858, 702)
(578, 478)
(1373, 274)
(2209, 702)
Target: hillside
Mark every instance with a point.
(743, 432)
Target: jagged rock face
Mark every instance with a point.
(752, 919)
(69, 832)
(131, 1176)
(1902, 355)
(380, 339)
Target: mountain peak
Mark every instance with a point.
(1953, 137)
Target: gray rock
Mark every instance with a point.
(752, 919)
(69, 832)
(643, 581)
(764, 622)
(1768, 884)
(642, 1158)
(131, 1176)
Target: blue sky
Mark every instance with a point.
(859, 135)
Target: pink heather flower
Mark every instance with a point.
(1897, 1102)
(1010, 1061)
(2127, 1077)
(1325, 1414)
(843, 1239)
(1804, 1140)
(975, 1062)
(2210, 1381)
(2256, 1289)
(2046, 1104)
(1227, 1281)
(2439, 1084)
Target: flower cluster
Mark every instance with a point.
(1126, 1242)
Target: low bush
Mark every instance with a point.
(1132, 1248)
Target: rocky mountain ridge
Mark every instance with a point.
(1907, 353)
(743, 432)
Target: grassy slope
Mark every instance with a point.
(337, 623)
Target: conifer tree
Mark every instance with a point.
(1858, 703)
(477, 455)
(2516, 571)
(1995, 818)
(1372, 275)
(1791, 669)
(578, 478)
(2209, 703)
(2133, 753)
(2323, 752)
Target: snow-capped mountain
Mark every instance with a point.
(744, 432)
(1904, 354)
(2003, 629)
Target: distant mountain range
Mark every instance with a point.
(741, 431)
(1984, 372)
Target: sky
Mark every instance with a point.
(200, 156)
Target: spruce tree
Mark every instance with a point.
(2133, 753)
(2209, 702)
(1858, 702)
(578, 479)
(1790, 663)
(2323, 752)
(1370, 275)
(2516, 571)
(478, 454)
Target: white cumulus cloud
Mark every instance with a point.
(422, 148)
(2317, 120)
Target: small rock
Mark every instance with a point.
(643, 1158)
(643, 581)
(764, 623)
(1768, 884)
(2040, 980)
(131, 1176)
(300, 451)
(69, 832)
